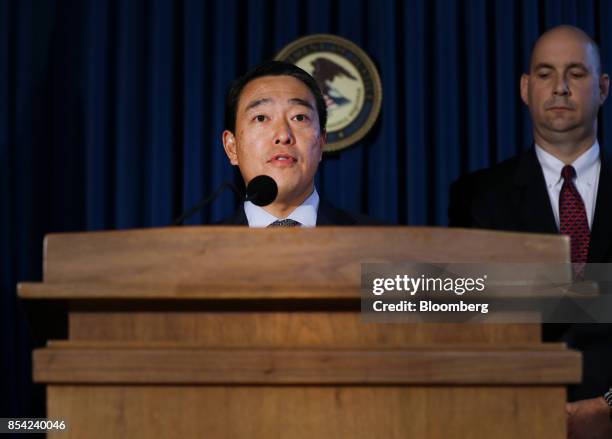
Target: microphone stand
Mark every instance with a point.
(206, 201)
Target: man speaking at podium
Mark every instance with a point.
(562, 184)
(275, 118)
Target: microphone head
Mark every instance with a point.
(261, 190)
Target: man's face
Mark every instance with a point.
(563, 90)
(277, 134)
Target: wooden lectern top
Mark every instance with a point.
(238, 262)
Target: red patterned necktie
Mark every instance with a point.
(572, 217)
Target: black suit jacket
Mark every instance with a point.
(513, 196)
(327, 215)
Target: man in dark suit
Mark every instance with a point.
(563, 184)
(275, 125)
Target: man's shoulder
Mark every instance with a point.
(327, 215)
(488, 187)
(519, 170)
(330, 215)
(499, 174)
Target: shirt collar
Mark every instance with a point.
(585, 165)
(305, 213)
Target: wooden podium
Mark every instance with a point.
(232, 332)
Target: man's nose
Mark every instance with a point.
(283, 135)
(561, 87)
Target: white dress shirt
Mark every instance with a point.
(587, 168)
(305, 213)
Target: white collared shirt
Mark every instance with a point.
(305, 213)
(587, 168)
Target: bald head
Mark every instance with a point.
(561, 36)
(564, 90)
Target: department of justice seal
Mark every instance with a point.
(348, 79)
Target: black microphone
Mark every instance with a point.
(207, 201)
(261, 190)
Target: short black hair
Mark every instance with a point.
(272, 68)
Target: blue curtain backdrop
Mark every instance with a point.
(111, 114)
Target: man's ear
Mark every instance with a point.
(229, 144)
(604, 87)
(525, 88)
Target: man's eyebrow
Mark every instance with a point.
(543, 66)
(300, 101)
(293, 101)
(257, 103)
(569, 66)
(577, 65)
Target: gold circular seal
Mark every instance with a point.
(348, 80)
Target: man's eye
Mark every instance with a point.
(260, 118)
(300, 117)
(543, 75)
(577, 74)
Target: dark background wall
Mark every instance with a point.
(111, 114)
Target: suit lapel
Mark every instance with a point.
(532, 201)
(601, 233)
(328, 215)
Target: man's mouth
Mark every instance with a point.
(282, 159)
(566, 106)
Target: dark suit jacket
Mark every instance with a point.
(327, 215)
(513, 196)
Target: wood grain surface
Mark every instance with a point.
(145, 365)
(230, 332)
(304, 412)
(196, 261)
(284, 329)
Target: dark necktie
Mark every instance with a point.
(285, 223)
(572, 217)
